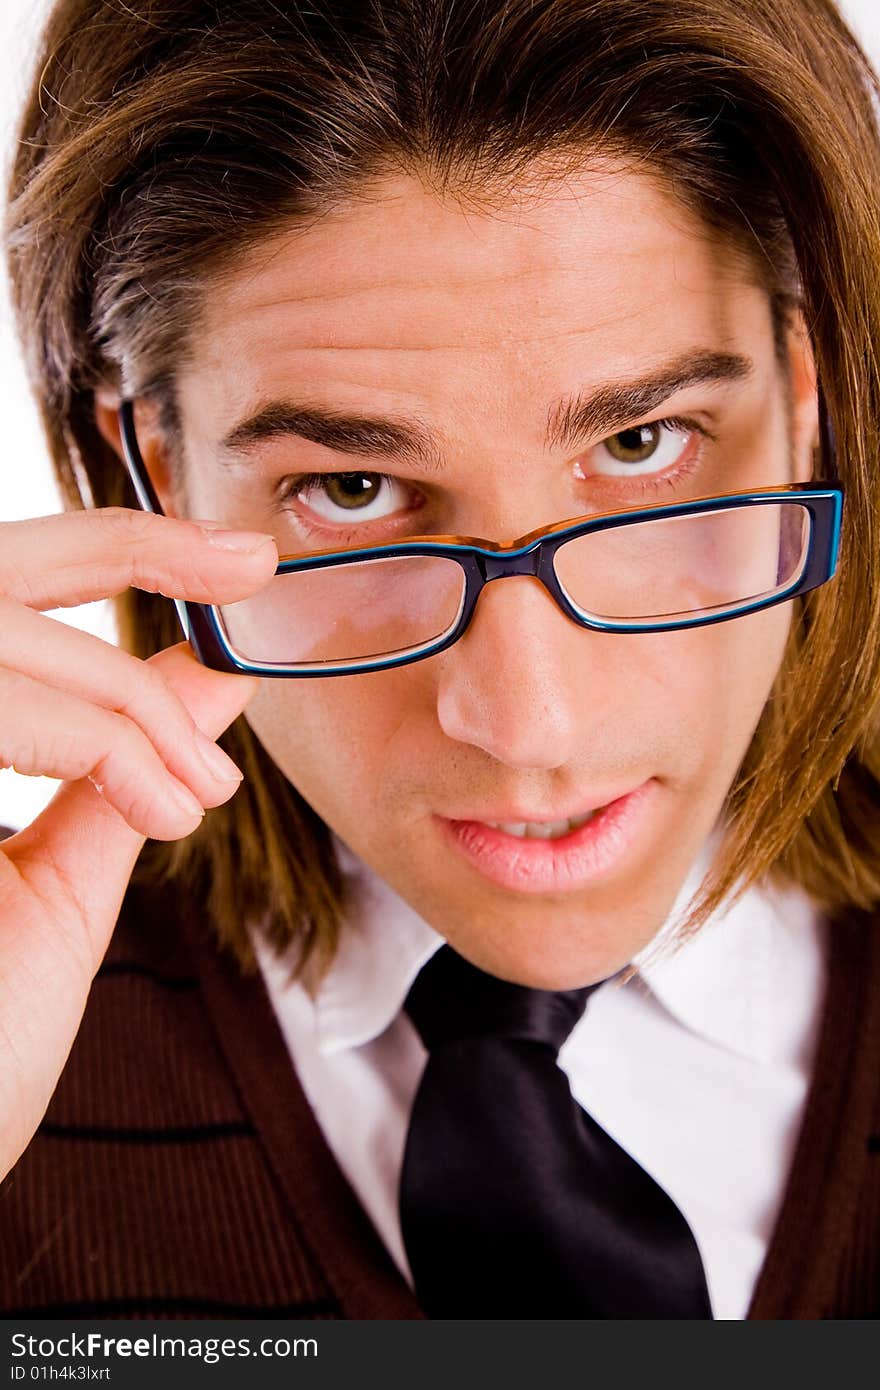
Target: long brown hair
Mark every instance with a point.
(163, 137)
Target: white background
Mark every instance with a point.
(26, 484)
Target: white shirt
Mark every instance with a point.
(698, 1067)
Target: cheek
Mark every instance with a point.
(336, 739)
(722, 680)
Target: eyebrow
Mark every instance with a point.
(569, 421)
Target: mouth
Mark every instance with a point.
(560, 855)
(542, 830)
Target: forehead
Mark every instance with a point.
(605, 264)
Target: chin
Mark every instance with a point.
(529, 947)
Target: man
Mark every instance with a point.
(415, 336)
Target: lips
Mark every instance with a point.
(566, 853)
(510, 816)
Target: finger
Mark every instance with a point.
(77, 557)
(80, 847)
(55, 654)
(50, 733)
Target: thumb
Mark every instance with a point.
(213, 698)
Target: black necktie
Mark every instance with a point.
(513, 1201)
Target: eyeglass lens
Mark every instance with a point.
(348, 612)
(645, 572)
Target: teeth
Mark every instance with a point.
(542, 830)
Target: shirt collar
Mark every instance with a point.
(724, 983)
(738, 981)
(382, 947)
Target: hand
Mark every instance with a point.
(132, 742)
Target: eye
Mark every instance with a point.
(344, 496)
(643, 448)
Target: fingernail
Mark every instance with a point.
(185, 800)
(240, 542)
(220, 766)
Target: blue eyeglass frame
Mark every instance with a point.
(531, 555)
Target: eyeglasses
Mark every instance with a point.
(646, 569)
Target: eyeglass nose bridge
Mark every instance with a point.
(500, 566)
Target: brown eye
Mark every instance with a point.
(643, 449)
(634, 445)
(364, 496)
(352, 490)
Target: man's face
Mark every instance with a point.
(476, 325)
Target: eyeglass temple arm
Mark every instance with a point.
(827, 438)
(148, 499)
(134, 464)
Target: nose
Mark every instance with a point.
(511, 685)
